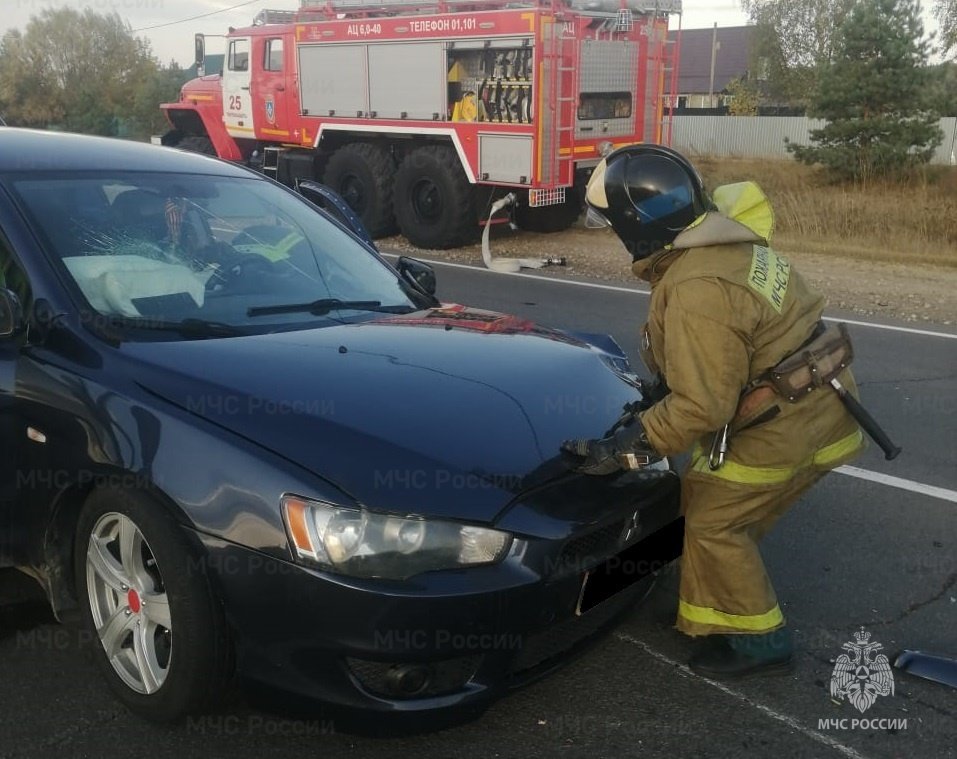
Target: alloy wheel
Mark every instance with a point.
(129, 603)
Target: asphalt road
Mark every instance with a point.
(856, 552)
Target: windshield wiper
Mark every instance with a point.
(203, 328)
(191, 327)
(323, 306)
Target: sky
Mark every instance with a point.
(175, 42)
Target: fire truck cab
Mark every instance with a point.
(421, 114)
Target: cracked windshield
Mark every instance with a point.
(154, 250)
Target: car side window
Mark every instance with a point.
(239, 55)
(12, 276)
(273, 61)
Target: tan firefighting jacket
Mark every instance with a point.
(725, 308)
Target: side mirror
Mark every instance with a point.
(11, 314)
(334, 204)
(200, 55)
(418, 273)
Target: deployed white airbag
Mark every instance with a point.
(111, 283)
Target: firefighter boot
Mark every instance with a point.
(732, 656)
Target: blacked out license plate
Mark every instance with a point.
(626, 568)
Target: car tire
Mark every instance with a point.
(434, 201)
(556, 218)
(364, 175)
(144, 596)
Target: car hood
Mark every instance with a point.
(440, 413)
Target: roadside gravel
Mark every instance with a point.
(914, 293)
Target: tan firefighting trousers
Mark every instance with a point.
(724, 585)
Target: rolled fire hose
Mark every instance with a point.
(510, 264)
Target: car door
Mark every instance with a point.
(9, 441)
(238, 112)
(269, 89)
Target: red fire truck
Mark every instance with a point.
(421, 113)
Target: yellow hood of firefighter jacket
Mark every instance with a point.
(743, 214)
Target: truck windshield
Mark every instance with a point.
(166, 248)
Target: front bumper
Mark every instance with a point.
(442, 639)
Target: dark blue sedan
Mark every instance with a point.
(238, 443)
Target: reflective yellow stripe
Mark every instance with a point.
(276, 252)
(732, 471)
(836, 451)
(704, 615)
(281, 249)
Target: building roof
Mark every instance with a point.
(732, 59)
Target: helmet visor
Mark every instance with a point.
(595, 219)
(662, 205)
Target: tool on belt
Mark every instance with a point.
(815, 364)
(719, 448)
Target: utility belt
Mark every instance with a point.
(818, 362)
(822, 357)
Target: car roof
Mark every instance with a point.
(33, 150)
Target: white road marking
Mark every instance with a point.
(635, 291)
(791, 722)
(899, 482)
(575, 282)
(892, 327)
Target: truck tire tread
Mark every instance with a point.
(373, 166)
(458, 222)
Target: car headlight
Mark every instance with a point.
(364, 544)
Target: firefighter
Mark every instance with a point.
(725, 308)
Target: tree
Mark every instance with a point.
(163, 86)
(745, 98)
(28, 94)
(791, 41)
(946, 13)
(77, 71)
(876, 95)
(943, 88)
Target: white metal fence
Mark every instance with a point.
(763, 136)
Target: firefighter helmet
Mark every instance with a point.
(647, 194)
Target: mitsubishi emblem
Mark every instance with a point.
(632, 527)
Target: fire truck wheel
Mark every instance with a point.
(554, 218)
(434, 202)
(196, 144)
(364, 174)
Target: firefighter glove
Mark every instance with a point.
(627, 449)
(653, 390)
